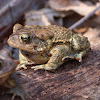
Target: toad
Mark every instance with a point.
(47, 47)
(8, 78)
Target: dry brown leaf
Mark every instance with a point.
(97, 19)
(80, 30)
(93, 35)
(36, 18)
(45, 17)
(74, 5)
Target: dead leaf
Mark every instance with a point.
(80, 30)
(36, 18)
(93, 35)
(45, 16)
(97, 19)
(74, 5)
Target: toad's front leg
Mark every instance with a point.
(55, 60)
(24, 61)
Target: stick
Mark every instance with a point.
(84, 18)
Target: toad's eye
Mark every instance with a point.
(25, 37)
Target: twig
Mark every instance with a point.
(84, 18)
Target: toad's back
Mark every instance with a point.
(61, 34)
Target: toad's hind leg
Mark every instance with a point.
(55, 60)
(78, 55)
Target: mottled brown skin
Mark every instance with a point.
(47, 46)
(8, 77)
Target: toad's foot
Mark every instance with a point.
(21, 66)
(78, 57)
(45, 67)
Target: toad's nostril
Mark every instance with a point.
(12, 37)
